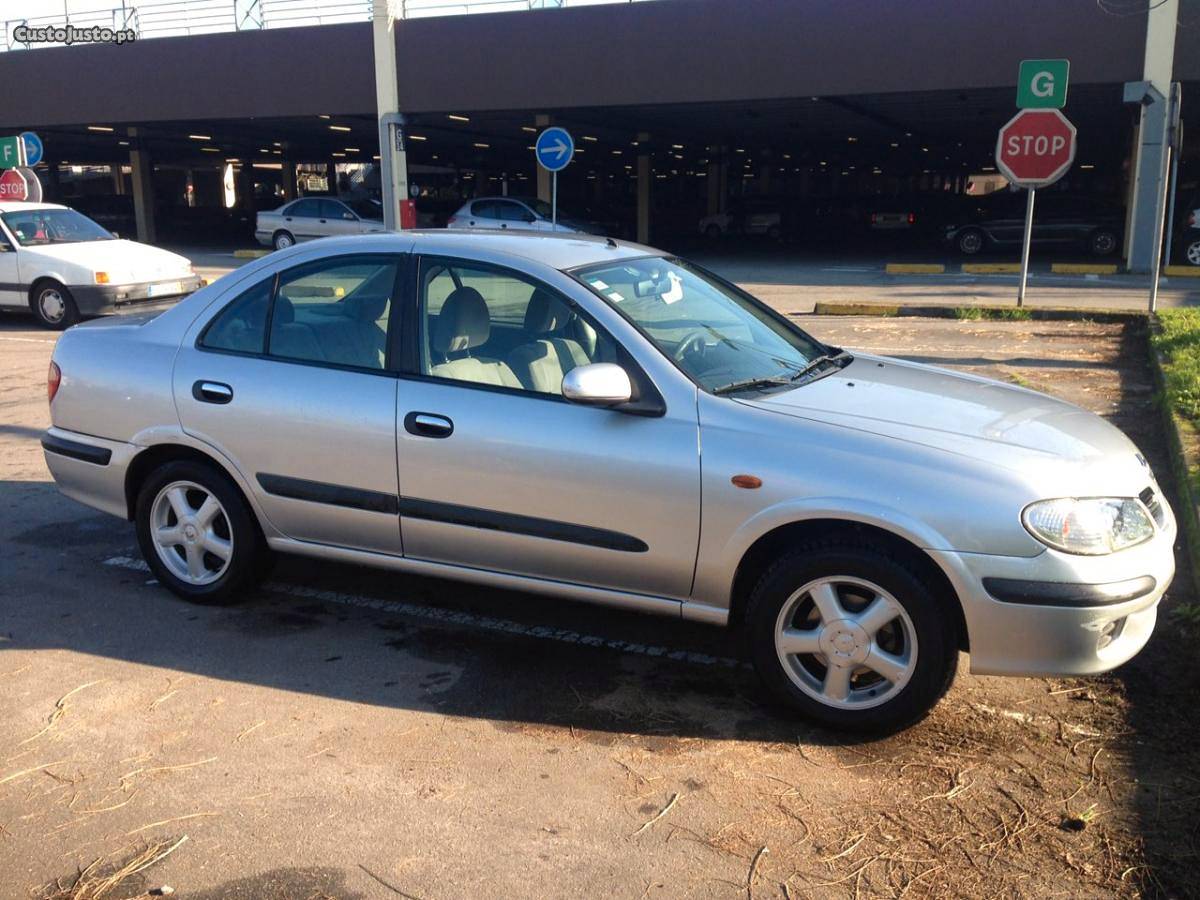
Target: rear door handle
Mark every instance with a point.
(425, 424)
(212, 392)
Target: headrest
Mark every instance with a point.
(463, 323)
(365, 309)
(285, 312)
(545, 313)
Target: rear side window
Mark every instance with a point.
(307, 209)
(513, 212)
(485, 209)
(242, 325)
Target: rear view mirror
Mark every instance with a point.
(598, 384)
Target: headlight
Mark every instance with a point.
(1091, 526)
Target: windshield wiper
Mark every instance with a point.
(821, 360)
(749, 383)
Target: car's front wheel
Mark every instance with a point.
(1192, 253)
(53, 305)
(1102, 242)
(970, 241)
(851, 637)
(197, 533)
(282, 240)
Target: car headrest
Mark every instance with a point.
(285, 312)
(545, 313)
(463, 323)
(365, 309)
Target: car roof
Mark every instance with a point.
(559, 251)
(24, 206)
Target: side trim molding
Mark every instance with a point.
(1054, 593)
(332, 494)
(473, 517)
(99, 456)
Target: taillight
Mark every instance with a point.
(53, 379)
(912, 217)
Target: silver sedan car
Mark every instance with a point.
(597, 420)
(315, 217)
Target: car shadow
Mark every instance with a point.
(75, 581)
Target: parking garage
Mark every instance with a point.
(793, 120)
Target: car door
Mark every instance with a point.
(291, 381)
(301, 219)
(515, 216)
(483, 214)
(337, 218)
(11, 291)
(497, 476)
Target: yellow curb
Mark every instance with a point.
(1084, 268)
(915, 268)
(1182, 271)
(990, 268)
(250, 254)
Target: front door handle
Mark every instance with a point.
(430, 425)
(212, 392)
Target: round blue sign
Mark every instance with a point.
(33, 148)
(554, 149)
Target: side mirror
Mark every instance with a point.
(598, 384)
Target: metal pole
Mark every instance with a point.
(554, 202)
(1156, 262)
(1025, 246)
(1172, 187)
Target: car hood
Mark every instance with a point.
(1002, 424)
(124, 261)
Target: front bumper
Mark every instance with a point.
(97, 299)
(89, 469)
(1061, 614)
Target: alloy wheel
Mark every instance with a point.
(1193, 253)
(191, 532)
(846, 642)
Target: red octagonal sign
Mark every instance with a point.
(1036, 147)
(13, 185)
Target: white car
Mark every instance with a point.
(514, 213)
(316, 217)
(63, 266)
(755, 221)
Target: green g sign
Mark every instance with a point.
(1042, 84)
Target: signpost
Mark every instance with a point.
(34, 151)
(12, 152)
(1037, 146)
(554, 149)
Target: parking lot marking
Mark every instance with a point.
(29, 340)
(471, 620)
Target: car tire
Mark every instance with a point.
(712, 232)
(53, 305)
(970, 241)
(203, 553)
(281, 240)
(911, 636)
(1192, 253)
(1102, 242)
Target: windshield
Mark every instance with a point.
(720, 336)
(37, 227)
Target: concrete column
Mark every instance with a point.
(288, 175)
(143, 189)
(118, 180)
(541, 120)
(714, 183)
(1150, 160)
(393, 157)
(644, 175)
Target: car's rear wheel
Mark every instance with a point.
(970, 242)
(197, 533)
(1102, 242)
(1192, 254)
(851, 637)
(53, 305)
(282, 240)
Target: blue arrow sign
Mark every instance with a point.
(554, 149)
(33, 148)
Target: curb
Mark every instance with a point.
(1041, 313)
(1182, 271)
(1176, 428)
(1083, 268)
(915, 268)
(250, 254)
(991, 268)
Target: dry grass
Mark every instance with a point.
(107, 874)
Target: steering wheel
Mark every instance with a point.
(693, 342)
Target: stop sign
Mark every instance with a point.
(13, 185)
(1036, 147)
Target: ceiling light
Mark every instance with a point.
(481, 145)
(233, 160)
(200, 137)
(616, 153)
(852, 139)
(211, 149)
(351, 149)
(123, 143)
(339, 154)
(322, 116)
(529, 128)
(105, 128)
(588, 137)
(1087, 166)
(455, 118)
(677, 146)
(339, 127)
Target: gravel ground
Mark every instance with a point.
(350, 733)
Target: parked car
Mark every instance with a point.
(529, 413)
(890, 218)
(62, 266)
(998, 220)
(1189, 243)
(517, 213)
(314, 217)
(749, 218)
